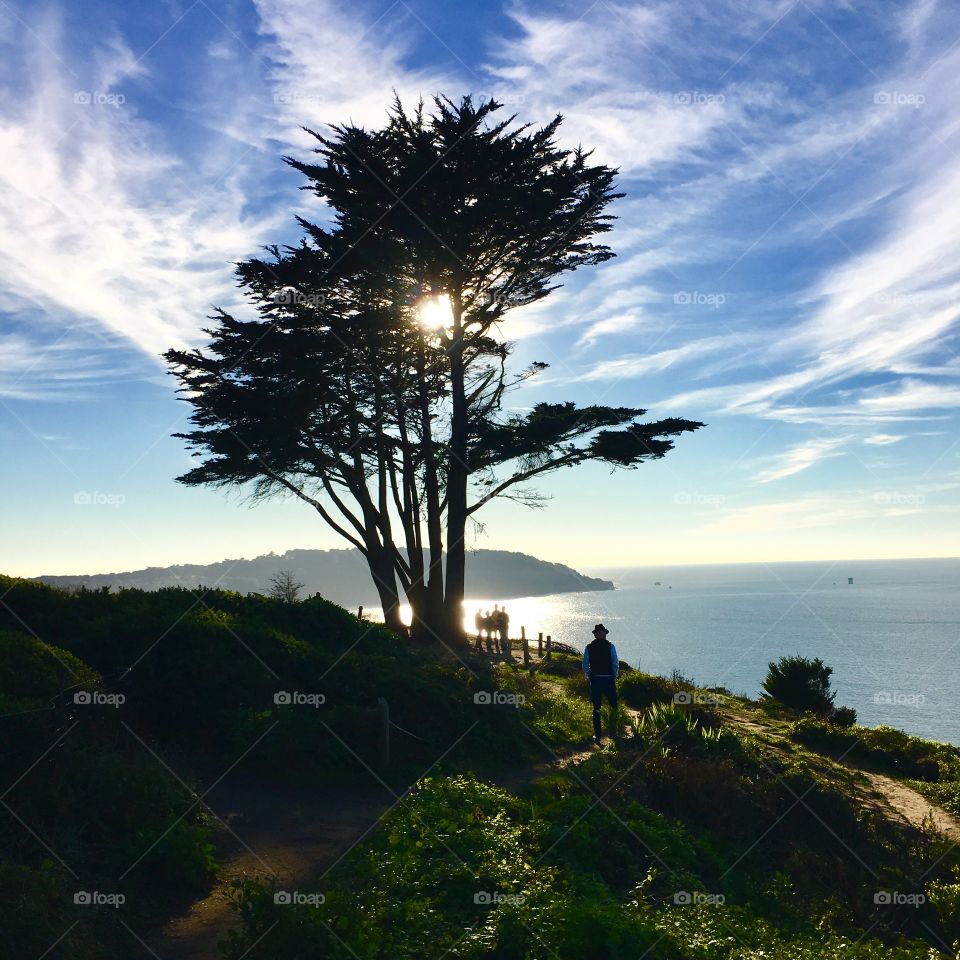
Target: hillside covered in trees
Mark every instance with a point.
(341, 576)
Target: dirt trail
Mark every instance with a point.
(274, 831)
(897, 801)
(913, 807)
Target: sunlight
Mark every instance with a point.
(436, 313)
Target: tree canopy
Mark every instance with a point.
(372, 381)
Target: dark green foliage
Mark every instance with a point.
(204, 667)
(641, 690)
(197, 673)
(944, 793)
(86, 808)
(945, 898)
(813, 832)
(562, 665)
(547, 434)
(800, 683)
(32, 669)
(843, 716)
(552, 715)
(684, 729)
(36, 907)
(589, 864)
(455, 869)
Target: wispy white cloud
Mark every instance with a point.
(100, 221)
(639, 364)
(576, 65)
(106, 223)
(331, 63)
(65, 368)
(873, 154)
(801, 457)
(618, 323)
(824, 510)
(912, 394)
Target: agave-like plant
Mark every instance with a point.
(676, 728)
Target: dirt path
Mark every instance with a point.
(271, 831)
(912, 807)
(891, 798)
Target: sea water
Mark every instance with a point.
(892, 636)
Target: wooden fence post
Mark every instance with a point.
(540, 645)
(383, 723)
(360, 612)
(526, 646)
(549, 647)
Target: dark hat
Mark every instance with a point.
(600, 628)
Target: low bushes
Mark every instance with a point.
(883, 748)
(945, 898)
(642, 690)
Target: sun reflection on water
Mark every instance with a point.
(562, 616)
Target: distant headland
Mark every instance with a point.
(342, 576)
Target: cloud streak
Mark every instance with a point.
(800, 458)
(99, 219)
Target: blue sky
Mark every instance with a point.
(788, 263)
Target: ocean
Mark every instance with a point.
(892, 636)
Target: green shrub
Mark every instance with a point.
(843, 716)
(731, 932)
(37, 910)
(557, 716)
(642, 690)
(34, 669)
(945, 898)
(468, 870)
(800, 683)
(91, 792)
(945, 794)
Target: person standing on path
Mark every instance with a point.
(488, 630)
(503, 626)
(600, 667)
(478, 623)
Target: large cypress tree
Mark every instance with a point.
(371, 384)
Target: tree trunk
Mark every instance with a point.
(427, 623)
(385, 580)
(457, 477)
(433, 609)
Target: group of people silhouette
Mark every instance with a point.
(495, 628)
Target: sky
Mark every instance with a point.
(787, 261)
